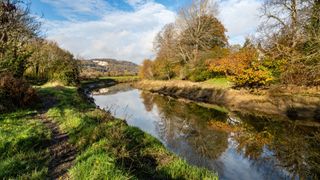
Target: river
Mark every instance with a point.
(237, 146)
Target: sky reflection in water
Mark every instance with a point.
(247, 151)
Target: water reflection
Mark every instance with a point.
(250, 148)
(297, 148)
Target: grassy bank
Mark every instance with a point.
(121, 79)
(222, 83)
(118, 79)
(108, 147)
(290, 102)
(23, 146)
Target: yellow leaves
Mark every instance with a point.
(222, 126)
(234, 63)
(253, 77)
(243, 68)
(146, 69)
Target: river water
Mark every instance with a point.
(237, 146)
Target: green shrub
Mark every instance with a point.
(198, 75)
(68, 77)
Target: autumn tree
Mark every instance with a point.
(183, 46)
(243, 67)
(165, 45)
(146, 70)
(286, 39)
(200, 30)
(17, 28)
(311, 45)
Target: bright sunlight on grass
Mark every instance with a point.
(221, 82)
(23, 146)
(108, 147)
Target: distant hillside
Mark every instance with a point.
(108, 67)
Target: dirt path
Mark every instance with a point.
(62, 154)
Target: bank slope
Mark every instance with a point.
(107, 147)
(304, 104)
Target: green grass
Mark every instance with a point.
(23, 146)
(122, 78)
(118, 79)
(108, 148)
(222, 82)
(111, 149)
(108, 79)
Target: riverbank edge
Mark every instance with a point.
(173, 166)
(302, 105)
(106, 146)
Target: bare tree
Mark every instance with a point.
(166, 46)
(291, 38)
(199, 29)
(283, 25)
(166, 42)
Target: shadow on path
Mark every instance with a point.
(62, 154)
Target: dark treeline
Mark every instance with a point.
(286, 51)
(24, 54)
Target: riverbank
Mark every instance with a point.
(105, 146)
(294, 103)
(107, 81)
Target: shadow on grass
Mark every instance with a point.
(133, 152)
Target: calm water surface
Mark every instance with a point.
(236, 146)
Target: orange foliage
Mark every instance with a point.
(243, 68)
(222, 126)
(234, 63)
(146, 70)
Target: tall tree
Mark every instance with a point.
(146, 70)
(200, 30)
(283, 20)
(50, 62)
(166, 46)
(17, 28)
(287, 33)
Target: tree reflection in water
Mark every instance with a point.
(237, 146)
(294, 148)
(186, 121)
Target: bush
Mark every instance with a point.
(15, 92)
(302, 74)
(68, 77)
(253, 77)
(200, 75)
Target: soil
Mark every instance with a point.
(62, 153)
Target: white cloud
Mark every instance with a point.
(118, 34)
(240, 17)
(128, 35)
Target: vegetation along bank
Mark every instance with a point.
(298, 103)
(105, 146)
(283, 57)
(49, 129)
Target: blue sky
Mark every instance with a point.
(54, 11)
(125, 29)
